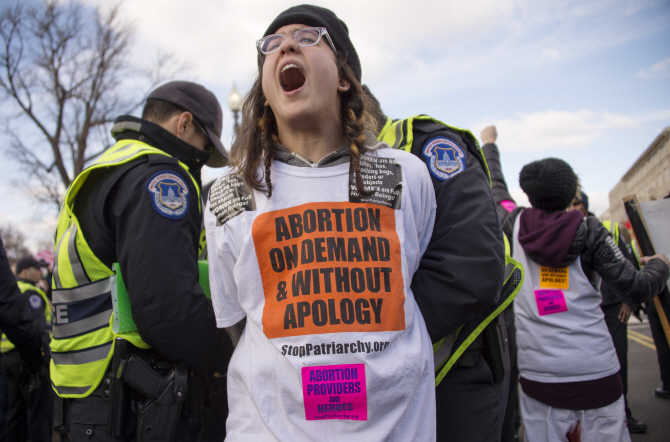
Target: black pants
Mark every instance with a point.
(661, 342)
(3, 404)
(619, 332)
(512, 420)
(470, 406)
(29, 402)
(87, 419)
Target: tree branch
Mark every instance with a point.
(65, 71)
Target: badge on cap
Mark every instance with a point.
(35, 301)
(169, 194)
(445, 159)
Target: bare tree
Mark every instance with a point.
(15, 242)
(65, 71)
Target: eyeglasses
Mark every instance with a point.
(304, 37)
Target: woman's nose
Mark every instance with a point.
(288, 45)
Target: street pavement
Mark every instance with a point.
(643, 379)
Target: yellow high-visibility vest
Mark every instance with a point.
(83, 340)
(613, 228)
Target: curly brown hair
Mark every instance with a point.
(257, 134)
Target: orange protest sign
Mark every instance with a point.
(554, 278)
(329, 268)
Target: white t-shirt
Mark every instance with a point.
(334, 345)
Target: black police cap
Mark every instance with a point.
(205, 108)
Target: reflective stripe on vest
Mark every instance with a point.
(400, 135)
(7, 345)
(82, 343)
(514, 275)
(613, 228)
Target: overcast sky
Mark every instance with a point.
(585, 81)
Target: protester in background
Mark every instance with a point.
(616, 311)
(47, 273)
(29, 398)
(567, 362)
(316, 263)
(581, 202)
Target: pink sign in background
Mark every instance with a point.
(335, 392)
(508, 205)
(550, 301)
(47, 256)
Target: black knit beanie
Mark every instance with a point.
(321, 17)
(550, 184)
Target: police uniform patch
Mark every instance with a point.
(35, 301)
(169, 194)
(445, 159)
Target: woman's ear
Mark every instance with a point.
(343, 85)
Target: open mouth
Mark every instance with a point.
(291, 78)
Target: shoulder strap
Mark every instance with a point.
(122, 152)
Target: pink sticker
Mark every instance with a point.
(508, 205)
(335, 392)
(550, 301)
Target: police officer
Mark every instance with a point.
(16, 323)
(139, 205)
(16, 318)
(460, 278)
(617, 312)
(29, 397)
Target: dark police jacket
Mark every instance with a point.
(16, 317)
(38, 306)
(461, 272)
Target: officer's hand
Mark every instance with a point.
(624, 313)
(30, 377)
(645, 259)
(489, 134)
(218, 396)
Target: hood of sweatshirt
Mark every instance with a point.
(547, 237)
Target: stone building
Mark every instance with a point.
(648, 178)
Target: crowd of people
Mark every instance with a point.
(347, 275)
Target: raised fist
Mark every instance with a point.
(489, 134)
